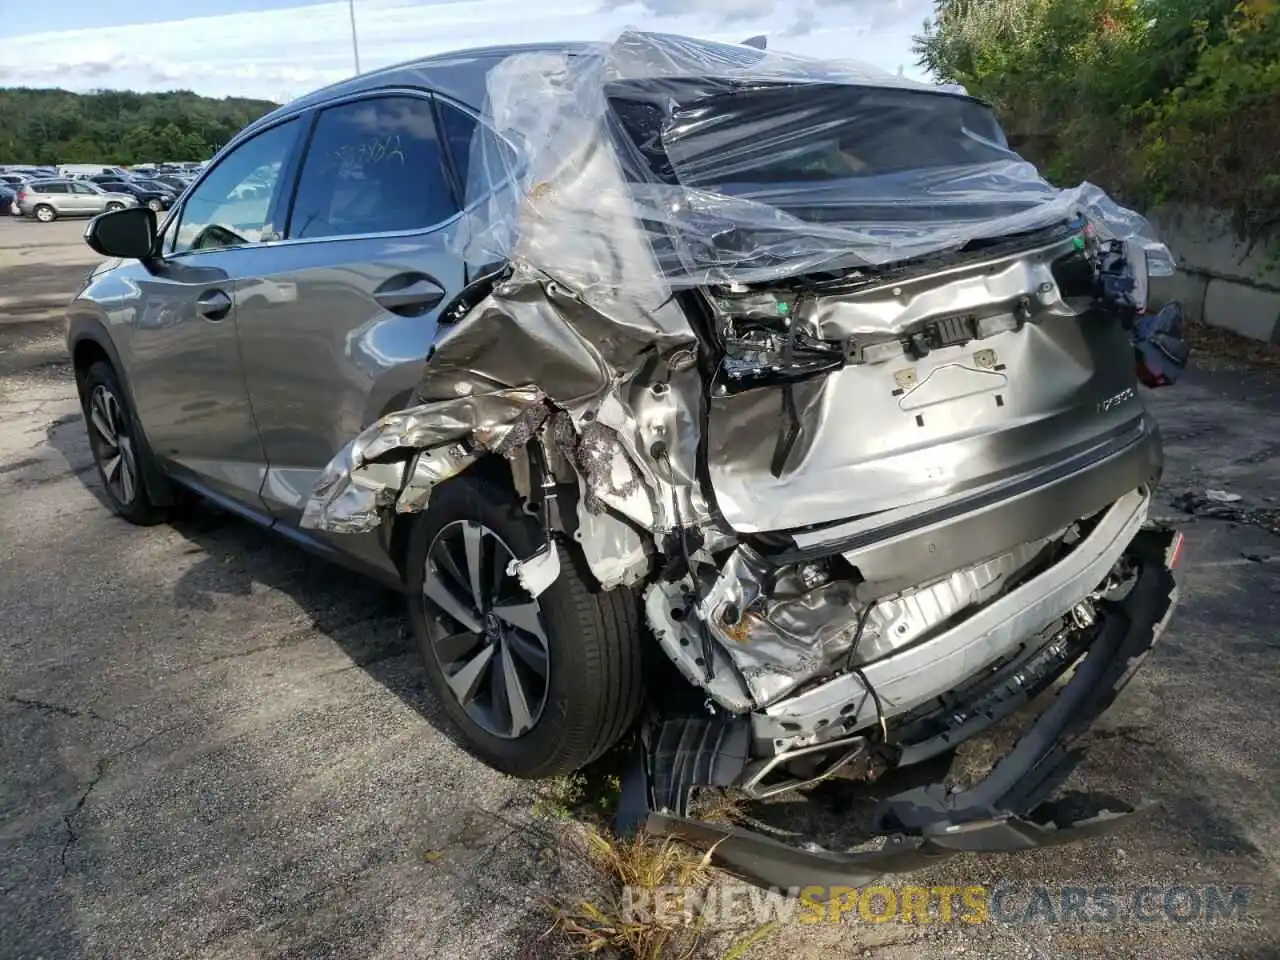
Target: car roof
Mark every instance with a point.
(459, 75)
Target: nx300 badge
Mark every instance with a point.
(1112, 402)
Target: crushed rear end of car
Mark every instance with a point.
(809, 358)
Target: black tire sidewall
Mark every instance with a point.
(35, 213)
(570, 706)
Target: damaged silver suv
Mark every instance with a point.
(774, 414)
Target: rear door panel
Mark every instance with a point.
(323, 358)
(335, 329)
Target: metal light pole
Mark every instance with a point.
(355, 47)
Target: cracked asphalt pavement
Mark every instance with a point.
(216, 746)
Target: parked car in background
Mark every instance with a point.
(155, 183)
(174, 181)
(47, 200)
(86, 170)
(156, 199)
(12, 182)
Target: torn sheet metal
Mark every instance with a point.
(529, 349)
(370, 475)
(781, 627)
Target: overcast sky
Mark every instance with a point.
(280, 49)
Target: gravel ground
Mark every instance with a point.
(217, 746)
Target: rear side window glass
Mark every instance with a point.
(52, 188)
(229, 208)
(374, 166)
(487, 158)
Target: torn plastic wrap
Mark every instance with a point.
(720, 165)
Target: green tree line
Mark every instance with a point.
(1154, 100)
(119, 127)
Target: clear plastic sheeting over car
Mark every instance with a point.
(737, 165)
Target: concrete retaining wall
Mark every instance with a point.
(1221, 279)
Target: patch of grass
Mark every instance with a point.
(590, 795)
(560, 796)
(599, 923)
(741, 947)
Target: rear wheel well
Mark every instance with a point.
(490, 467)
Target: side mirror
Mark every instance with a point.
(129, 233)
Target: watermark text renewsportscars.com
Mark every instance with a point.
(734, 904)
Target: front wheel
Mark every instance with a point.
(118, 452)
(536, 687)
(155, 205)
(113, 207)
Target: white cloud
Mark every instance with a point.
(279, 54)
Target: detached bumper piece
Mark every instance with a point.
(1009, 809)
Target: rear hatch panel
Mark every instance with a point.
(1033, 372)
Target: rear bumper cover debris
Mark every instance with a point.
(1009, 809)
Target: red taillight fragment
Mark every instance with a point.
(1174, 556)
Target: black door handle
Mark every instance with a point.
(409, 294)
(213, 305)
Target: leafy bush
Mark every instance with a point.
(1155, 100)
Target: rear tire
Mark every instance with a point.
(45, 213)
(593, 685)
(155, 205)
(119, 451)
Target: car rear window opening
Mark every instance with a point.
(822, 151)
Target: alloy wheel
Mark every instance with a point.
(485, 630)
(44, 214)
(112, 445)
